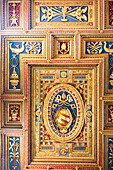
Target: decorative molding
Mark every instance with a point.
(45, 44)
(48, 136)
(58, 15)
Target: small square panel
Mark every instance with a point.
(13, 15)
(12, 114)
(108, 14)
(63, 47)
(63, 152)
(63, 74)
(108, 115)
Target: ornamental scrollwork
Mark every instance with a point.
(110, 153)
(14, 14)
(14, 112)
(14, 153)
(33, 47)
(14, 63)
(102, 47)
(94, 47)
(15, 49)
(54, 13)
(111, 113)
(108, 50)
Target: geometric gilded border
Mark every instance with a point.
(94, 159)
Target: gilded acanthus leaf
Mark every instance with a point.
(84, 10)
(44, 10)
(43, 17)
(84, 17)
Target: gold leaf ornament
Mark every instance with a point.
(84, 10)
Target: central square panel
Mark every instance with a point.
(63, 115)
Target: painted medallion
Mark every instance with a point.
(63, 112)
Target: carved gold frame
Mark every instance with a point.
(26, 64)
(64, 25)
(5, 44)
(54, 46)
(94, 159)
(45, 111)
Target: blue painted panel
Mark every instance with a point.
(15, 49)
(63, 152)
(102, 47)
(47, 148)
(64, 14)
(14, 62)
(33, 47)
(110, 70)
(14, 153)
(98, 47)
(110, 153)
(63, 74)
(80, 77)
(47, 77)
(80, 148)
(93, 47)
